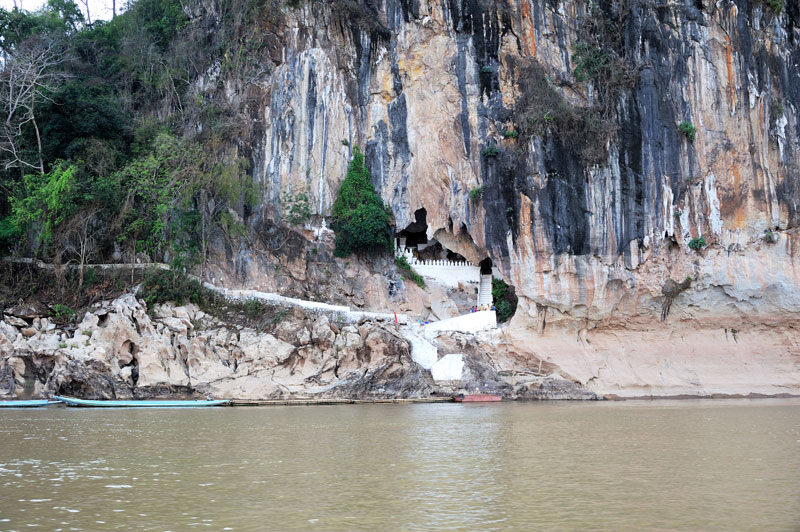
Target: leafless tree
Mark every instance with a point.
(80, 227)
(88, 15)
(29, 75)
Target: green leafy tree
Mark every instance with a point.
(503, 299)
(47, 200)
(360, 219)
(176, 193)
(295, 206)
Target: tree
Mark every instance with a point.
(359, 217)
(46, 200)
(173, 192)
(30, 75)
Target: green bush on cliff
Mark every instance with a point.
(407, 270)
(688, 130)
(359, 217)
(589, 61)
(44, 200)
(504, 300)
(775, 5)
(697, 243)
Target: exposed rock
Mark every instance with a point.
(15, 321)
(130, 354)
(9, 332)
(588, 245)
(555, 388)
(28, 310)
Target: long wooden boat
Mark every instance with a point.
(72, 401)
(477, 398)
(33, 403)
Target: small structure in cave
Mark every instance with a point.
(432, 260)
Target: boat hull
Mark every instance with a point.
(477, 398)
(35, 403)
(72, 401)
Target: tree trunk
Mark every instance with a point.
(203, 235)
(113, 9)
(38, 138)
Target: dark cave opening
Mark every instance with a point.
(416, 232)
(486, 266)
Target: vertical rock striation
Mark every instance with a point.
(588, 221)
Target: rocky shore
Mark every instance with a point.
(119, 350)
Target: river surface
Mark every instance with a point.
(617, 466)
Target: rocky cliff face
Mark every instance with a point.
(567, 114)
(119, 351)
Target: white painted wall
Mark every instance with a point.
(422, 351)
(446, 272)
(342, 312)
(469, 323)
(448, 368)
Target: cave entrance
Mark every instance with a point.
(416, 232)
(455, 257)
(486, 266)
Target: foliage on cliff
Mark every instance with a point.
(95, 148)
(360, 219)
(504, 300)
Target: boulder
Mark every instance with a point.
(28, 311)
(15, 321)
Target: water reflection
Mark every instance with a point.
(729, 465)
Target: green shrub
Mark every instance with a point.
(63, 311)
(359, 217)
(476, 193)
(295, 207)
(510, 134)
(253, 308)
(589, 61)
(687, 130)
(697, 243)
(406, 268)
(490, 151)
(45, 201)
(162, 286)
(775, 5)
(503, 310)
(503, 299)
(486, 69)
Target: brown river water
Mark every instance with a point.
(731, 465)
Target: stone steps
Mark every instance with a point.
(485, 291)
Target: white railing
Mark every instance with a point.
(407, 252)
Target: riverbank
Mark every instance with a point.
(118, 346)
(120, 350)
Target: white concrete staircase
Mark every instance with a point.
(485, 291)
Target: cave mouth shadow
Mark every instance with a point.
(486, 266)
(416, 232)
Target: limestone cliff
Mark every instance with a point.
(567, 114)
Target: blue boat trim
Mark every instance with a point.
(72, 401)
(33, 403)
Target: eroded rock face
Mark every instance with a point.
(120, 351)
(427, 86)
